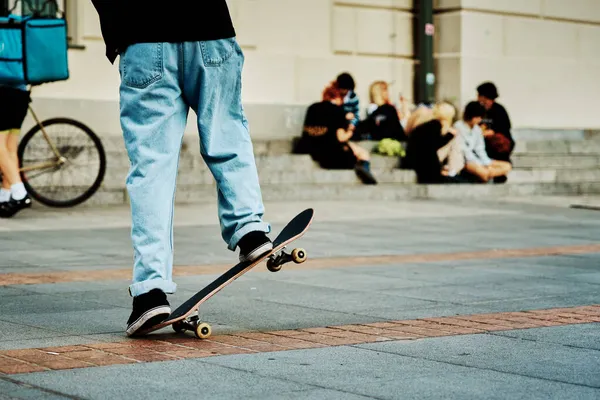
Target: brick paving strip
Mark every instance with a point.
(310, 264)
(182, 347)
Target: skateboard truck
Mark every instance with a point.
(191, 323)
(276, 261)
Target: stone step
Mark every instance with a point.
(559, 147)
(115, 145)
(274, 192)
(276, 176)
(554, 161)
(200, 175)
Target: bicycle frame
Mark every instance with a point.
(47, 164)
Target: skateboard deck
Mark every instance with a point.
(180, 318)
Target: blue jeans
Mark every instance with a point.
(160, 82)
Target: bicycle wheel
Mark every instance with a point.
(62, 165)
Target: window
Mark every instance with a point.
(44, 8)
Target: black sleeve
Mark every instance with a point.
(502, 123)
(340, 119)
(431, 132)
(444, 139)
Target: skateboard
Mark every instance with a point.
(187, 318)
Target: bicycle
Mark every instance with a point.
(42, 151)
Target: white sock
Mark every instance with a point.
(18, 191)
(4, 195)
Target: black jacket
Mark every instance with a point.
(421, 151)
(125, 22)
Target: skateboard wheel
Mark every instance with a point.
(178, 327)
(299, 255)
(272, 265)
(203, 330)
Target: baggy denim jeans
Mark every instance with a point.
(160, 82)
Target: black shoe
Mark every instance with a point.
(149, 309)
(254, 245)
(364, 174)
(500, 179)
(11, 207)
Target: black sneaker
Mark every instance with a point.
(364, 174)
(13, 206)
(254, 245)
(149, 309)
(500, 179)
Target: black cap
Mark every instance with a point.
(345, 81)
(489, 90)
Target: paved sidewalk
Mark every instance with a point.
(398, 300)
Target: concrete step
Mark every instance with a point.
(554, 161)
(115, 145)
(275, 192)
(556, 147)
(278, 176)
(383, 171)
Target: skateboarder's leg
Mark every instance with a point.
(153, 118)
(213, 83)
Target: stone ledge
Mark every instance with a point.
(336, 191)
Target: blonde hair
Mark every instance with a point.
(418, 117)
(445, 113)
(376, 93)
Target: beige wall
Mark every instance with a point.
(544, 55)
(292, 47)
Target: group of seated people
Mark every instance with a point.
(476, 148)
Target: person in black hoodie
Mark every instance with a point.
(424, 143)
(496, 125)
(170, 63)
(326, 137)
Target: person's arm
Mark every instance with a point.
(480, 149)
(343, 135)
(470, 156)
(354, 108)
(371, 108)
(502, 122)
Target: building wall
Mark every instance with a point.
(293, 48)
(544, 56)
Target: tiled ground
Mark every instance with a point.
(149, 350)
(397, 300)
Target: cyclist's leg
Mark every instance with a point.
(10, 168)
(5, 190)
(14, 109)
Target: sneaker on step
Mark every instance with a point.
(254, 245)
(149, 309)
(11, 207)
(365, 175)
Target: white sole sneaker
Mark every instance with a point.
(256, 253)
(145, 317)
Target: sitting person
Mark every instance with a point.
(326, 137)
(433, 149)
(478, 163)
(383, 119)
(499, 143)
(351, 105)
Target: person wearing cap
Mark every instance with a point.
(346, 86)
(499, 143)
